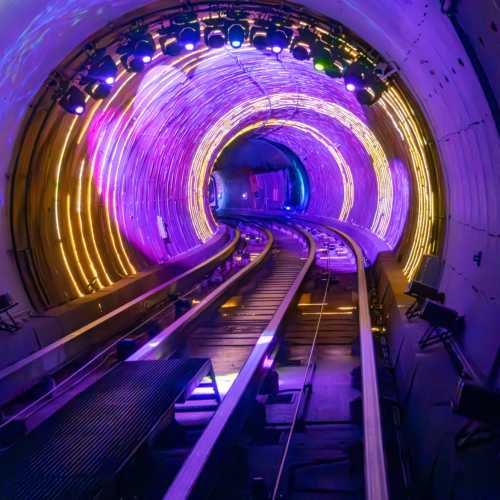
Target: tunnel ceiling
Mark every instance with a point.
(123, 187)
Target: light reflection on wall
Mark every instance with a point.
(401, 186)
(146, 153)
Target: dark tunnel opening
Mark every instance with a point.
(261, 174)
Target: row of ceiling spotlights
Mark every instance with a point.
(138, 48)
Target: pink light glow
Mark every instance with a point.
(143, 148)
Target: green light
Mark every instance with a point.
(319, 67)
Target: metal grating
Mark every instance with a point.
(76, 452)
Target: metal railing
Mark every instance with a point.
(376, 487)
(229, 417)
(161, 344)
(56, 354)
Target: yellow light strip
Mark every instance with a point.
(404, 120)
(328, 313)
(313, 304)
(80, 227)
(73, 244)
(217, 135)
(73, 281)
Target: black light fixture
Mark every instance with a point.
(215, 33)
(168, 41)
(98, 90)
(186, 31)
(277, 40)
(360, 78)
(355, 76)
(170, 49)
(279, 35)
(73, 101)
(371, 92)
(145, 49)
(338, 63)
(102, 68)
(302, 45)
(236, 34)
(322, 58)
(138, 49)
(99, 73)
(258, 35)
(189, 36)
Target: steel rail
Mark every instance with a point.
(161, 344)
(376, 487)
(87, 369)
(54, 355)
(227, 421)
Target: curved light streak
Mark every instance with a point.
(404, 120)
(231, 121)
(248, 94)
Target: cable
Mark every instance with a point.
(302, 392)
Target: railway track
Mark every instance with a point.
(240, 337)
(281, 334)
(28, 410)
(318, 433)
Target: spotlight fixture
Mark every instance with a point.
(302, 45)
(185, 28)
(189, 36)
(168, 42)
(73, 101)
(215, 35)
(102, 68)
(355, 76)
(132, 64)
(372, 92)
(99, 73)
(278, 36)
(274, 35)
(360, 79)
(322, 58)
(145, 49)
(339, 63)
(170, 49)
(277, 40)
(236, 34)
(258, 37)
(138, 50)
(98, 91)
(301, 52)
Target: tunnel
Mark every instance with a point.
(293, 204)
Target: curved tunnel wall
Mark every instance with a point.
(433, 63)
(125, 185)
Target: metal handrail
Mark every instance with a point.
(161, 343)
(24, 364)
(376, 487)
(195, 465)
